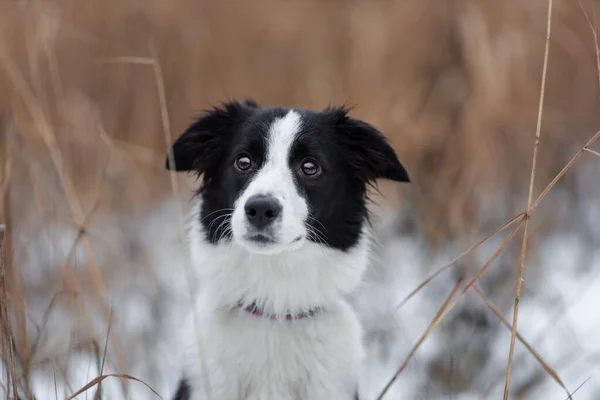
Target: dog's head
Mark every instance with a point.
(275, 178)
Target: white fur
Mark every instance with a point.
(231, 354)
(276, 179)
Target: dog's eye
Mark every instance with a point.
(243, 162)
(310, 168)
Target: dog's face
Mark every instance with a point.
(275, 178)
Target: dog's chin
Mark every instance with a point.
(259, 243)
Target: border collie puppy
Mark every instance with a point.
(279, 238)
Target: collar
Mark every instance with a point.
(257, 311)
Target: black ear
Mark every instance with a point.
(202, 144)
(369, 152)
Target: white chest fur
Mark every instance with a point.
(230, 354)
(237, 355)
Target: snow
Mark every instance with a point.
(559, 312)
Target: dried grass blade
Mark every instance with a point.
(457, 259)
(445, 312)
(100, 378)
(536, 146)
(6, 341)
(533, 352)
(564, 171)
(580, 386)
(421, 340)
(595, 35)
(591, 151)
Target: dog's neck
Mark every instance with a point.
(314, 277)
(258, 311)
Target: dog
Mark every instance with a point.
(280, 237)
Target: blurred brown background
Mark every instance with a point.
(454, 84)
(91, 93)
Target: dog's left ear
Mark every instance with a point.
(203, 142)
(370, 153)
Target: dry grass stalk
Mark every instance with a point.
(99, 390)
(595, 36)
(81, 219)
(592, 152)
(44, 128)
(563, 171)
(521, 218)
(100, 378)
(423, 337)
(165, 120)
(440, 316)
(6, 339)
(579, 387)
(164, 112)
(536, 146)
(530, 348)
(457, 259)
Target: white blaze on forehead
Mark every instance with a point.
(276, 178)
(282, 133)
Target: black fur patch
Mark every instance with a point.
(351, 153)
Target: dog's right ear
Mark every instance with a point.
(202, 144)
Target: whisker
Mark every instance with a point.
(317, 231)
(225, 228)
(227, 232)
(216, 219)
(217, 211)
(313, 233)
(317, 221)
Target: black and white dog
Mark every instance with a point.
(280, 237)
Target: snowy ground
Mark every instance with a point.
(559, 313)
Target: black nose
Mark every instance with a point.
(262, 210)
